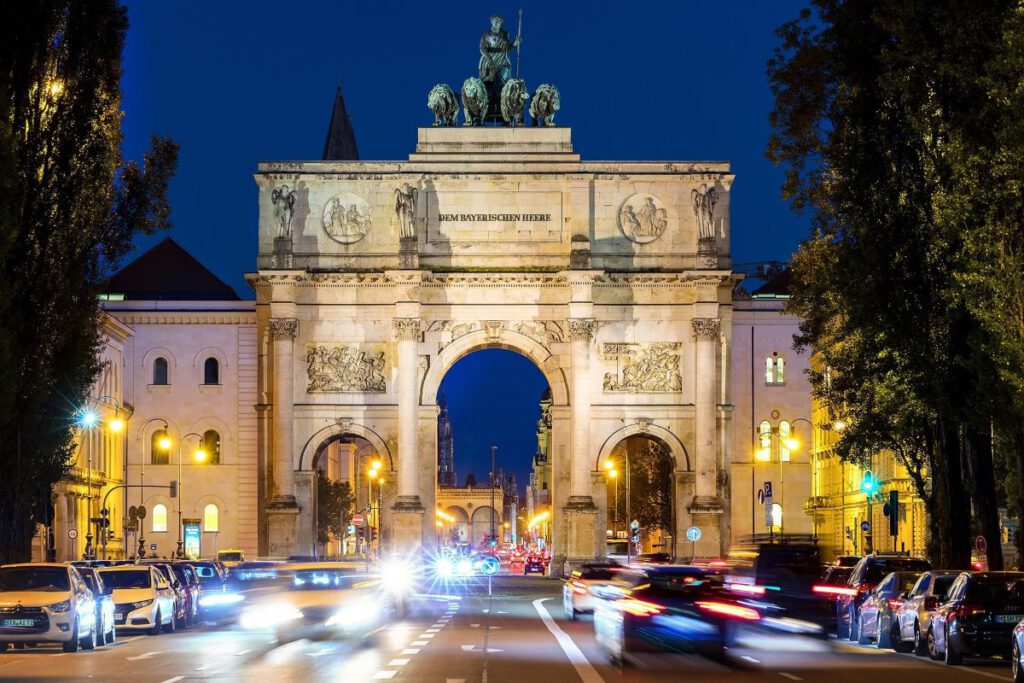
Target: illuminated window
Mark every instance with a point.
(211, 446)
(775, 369)
(764, 431)
(160, 371)
(159, 517)
(159, 451)
(211, 371)
(785, 432)
(211, 518)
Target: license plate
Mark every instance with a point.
(19, 622)
(1008, 618)
(118, 617)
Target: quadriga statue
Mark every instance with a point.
(445, 105)
(514, 96)
(546, 101)
(474, 102)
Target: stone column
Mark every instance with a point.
(408, 509)
(580, 511)
(283, 331)
(706, 507)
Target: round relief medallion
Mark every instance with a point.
(346, 218)
(642, 218)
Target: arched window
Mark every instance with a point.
(785, 433)
(211, 446)
(160, 371)
(159, 517)
(211, 518)
(775, 369)
(160, 448)
(764, 431)
(211, 371)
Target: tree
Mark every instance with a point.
(334, 501)
(650, 483)
(69, 208)
(878, 107)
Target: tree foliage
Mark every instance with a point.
(334, 502)
(898, 125)
(69, 208)
(650, 482)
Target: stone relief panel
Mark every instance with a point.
(346, 218)
(338, 368)
(543, 331)
(643, 367)
(643, 218)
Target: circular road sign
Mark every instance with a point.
(72, 534)
(358, 520)
(865, 525)
(141, 512)
(490, 566)
(693, 534)
(981, 545)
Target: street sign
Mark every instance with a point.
(693, 534)
(635, 539)
(357, 519)
(760, 496)
(981, 545)
(767, 489)
(133, 512)
(635, 524)
(152, 546)
(72, 534)
(865, 526)
(769, 520)
(141, 511)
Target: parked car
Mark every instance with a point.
(878, 612)
(143, 598)
(182, 595)
(189, 582)
(978, 618)
(915, 615)
(46, 602)
(106, 633)
(592, 583)
(832, 584)
(870, 570)
(1016, 648)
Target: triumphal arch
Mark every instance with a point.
(375, 277)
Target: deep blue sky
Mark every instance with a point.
(239, 82)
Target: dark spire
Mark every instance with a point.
(340, 144)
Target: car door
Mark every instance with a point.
(82, 598)
(942, 614)
(871, 606)
(908, 613)
(164, 594)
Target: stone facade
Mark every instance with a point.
(520, 245)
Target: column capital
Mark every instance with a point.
(706, 329)
(407, 328)
(582, 329)
(284, 328)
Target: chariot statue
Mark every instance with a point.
(495, 65)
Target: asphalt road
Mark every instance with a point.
(515, 635)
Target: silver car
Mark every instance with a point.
(914, 616)
(877, 619)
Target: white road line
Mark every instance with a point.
(242, 652)
(585, 669)
(432, 630)
(426, 636)
(410, 651)
(173, 680)
(144, 655)
(384, 674)
(790, 676)
(418, 643)
(751, 659)
(204, 667)
(398, 662)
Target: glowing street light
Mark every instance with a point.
(116, 425)
(88, 419)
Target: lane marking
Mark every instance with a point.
(433, 630)
(427, 636)
(398, 662)
(474, 625)
(204, 667)
(144, 655)
(584, 668)
(926, 660)
(384, 674)
(173, 680)
(242, 652)
(790, 676)
(418, 643)
(410, 651)
(751, 659)
(473, 648)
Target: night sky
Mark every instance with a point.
(235, 83)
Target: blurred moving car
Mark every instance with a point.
(915, 615)
(831, 585)
(674, 609)
(592, 583)
(143, 598)
(324, 600)
(617, 550)
(46, 602)
(782, 573)
(877, 619)
(869, 571)
(534, 565)
(189, 582)
(106, 633)
(230, 557)
(978, 618)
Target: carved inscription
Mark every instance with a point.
(643, 367)
(335, 368)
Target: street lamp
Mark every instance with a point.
(199, 455)
(90, 419)
(763, 454)
(164, 444)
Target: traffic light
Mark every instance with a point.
(174, 488)
(894, 513)
(867, 482)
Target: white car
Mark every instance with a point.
(143, 598)
(46, 603)
(592, 583)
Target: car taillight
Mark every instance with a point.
(746, 588)
(640, 608)
(578, 587)
(931, 603)
(727, 609)
(970, 609)
(895, 603)
(825, 589)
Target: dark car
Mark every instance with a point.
(846, 561)
(534, 565)
(831, 585)
(866, 575)
(782, 574)
(216, 600)
(105, 634)
(978, 617)
(676, 609)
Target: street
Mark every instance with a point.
(516, 635)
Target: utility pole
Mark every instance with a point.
(493, 513)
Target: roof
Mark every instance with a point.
(777, 285)
(340, 144)
(167, 272)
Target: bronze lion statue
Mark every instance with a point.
(474, 102)
(514, 97)
(546, 101)
(445, 105)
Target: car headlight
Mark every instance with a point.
(215, 599)
(356, 614)
(397, 576)
(444, 567)
(268, 615)
(465, 568)
(61, 606)
(141, 603)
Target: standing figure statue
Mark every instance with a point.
(405, 209)
(283, 200)
(495, 65)
(704, 200)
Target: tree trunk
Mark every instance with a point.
(1017, 437)
(978, 446)
(955, 509)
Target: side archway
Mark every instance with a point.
(320, 439)
(675, 447)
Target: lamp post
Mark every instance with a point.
(494, 533)
(199, 456)
(374, 519)
(764, 454)
(613, 472)
(165, 444)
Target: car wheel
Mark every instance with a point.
(72, 644)
(842, 628)
(883, 636)
(111, 635)
(953, 658)
(862, 636)
(933, 648)
(172, 625)
(1018, 673)
(897, 642)
(920, 643)
(89, 641)
(157, 625)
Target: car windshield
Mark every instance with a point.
(880, 566)
(942, 584)
(229, 556)
(34, 579)
(907, 582)
(323, 579)
(207, 573)
(996, 590)
(838, 575)
(127, 578)
(90, 581)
